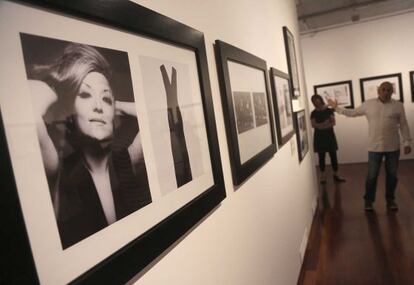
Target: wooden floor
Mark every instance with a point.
(348, 246)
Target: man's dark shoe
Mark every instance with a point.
(338, 179)
(392, 206)
(368, 206)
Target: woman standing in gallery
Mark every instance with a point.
(91, 186)
(324, 140)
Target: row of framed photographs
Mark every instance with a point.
(342, 91)
(248, 108)
(131, 94)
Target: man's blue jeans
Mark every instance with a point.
(391, 168)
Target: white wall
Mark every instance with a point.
(254, 236)
(378, 47)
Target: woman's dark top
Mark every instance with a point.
(80, 213)
(324, 140)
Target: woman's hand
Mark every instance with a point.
(125, 108)
(324, 125)
(332, 121)
(43, 96)
(332, 103)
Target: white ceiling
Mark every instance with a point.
(317, 15)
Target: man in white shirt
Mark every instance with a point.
(386, 117)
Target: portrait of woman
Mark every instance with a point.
(88, 134)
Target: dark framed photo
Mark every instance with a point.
(292, 61)
(301, 134)
(108, 144)
(341, 91)
(412, 85)
(369, 86)
(246, 107)
(282, 105)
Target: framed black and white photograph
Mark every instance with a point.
(243, 106)
(301, 134)
(369, 86)
(341, 91)
(260, 109)
(412, 85)
(292, 61)
(282, 105)
(109, 150)
(246, 107)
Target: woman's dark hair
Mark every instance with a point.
(66, 73)
(317, 96)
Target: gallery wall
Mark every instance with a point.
(378, 47)
(254, 236)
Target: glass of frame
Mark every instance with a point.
(339, 91)
(282, 105)
(292, 61)
(301, 134)
(246, 107)
(412, 85)
(369, 86)
(108, 144)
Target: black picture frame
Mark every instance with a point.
(369, 92)
(301, 134)
(292, 62)
(412, 85)
(17, 259)
(334, 87)
(274, 75)
(226, 53)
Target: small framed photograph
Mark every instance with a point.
(246, 107)
(412, 85)
(282, 105)
(341, 91)
(108, 144)
(301, 134)
(292, 62)
(369, 86)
